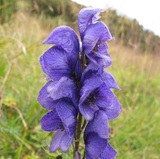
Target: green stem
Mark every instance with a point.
(80, 127)
(78, 133)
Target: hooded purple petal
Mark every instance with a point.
(100, 58)
(55, 143)
(65, 37)
(110, 80)
(88, 110)
(94, 145)
(64, 88)
(61, 140)
(107, 101)
(44, 98)
(87, 105)
(99, 125)
(98, 148)
(88, 86)
(106, 76)
(68, 115)
(55, 64)
(50, 121)
(86, 17)
(94, 35)
(108, 153)
(114, 109)
(66, 142)
(104, 97)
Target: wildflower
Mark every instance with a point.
(61, 59)
(95, 95)
(79, 87)
(61, 119)
(52, 92)
(94, 44)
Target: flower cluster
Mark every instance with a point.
(78, 92)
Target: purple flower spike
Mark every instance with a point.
(98, 148)
(78, 94)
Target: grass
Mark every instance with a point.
(134, 134)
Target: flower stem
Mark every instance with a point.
(78, 133)
(80, 127)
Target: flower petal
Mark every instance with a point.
(54, 63)
(65, 37)
(44, 98)
(64, 88)
(110, 80)
(88, 86)
(68, 115)
(99, 125)
(114, 109)
(55, 143)
(50, 121)
(86, 17)
(104, 97)
(102, 59)
(88, 110)
(66, 142)
(108, 153)
(94, 145)
(94, 35)
(107, 101)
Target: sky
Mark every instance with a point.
(147, 12)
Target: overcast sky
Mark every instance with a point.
(147, 12)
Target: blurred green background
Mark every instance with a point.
(135, 52)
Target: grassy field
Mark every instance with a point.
(135, 134)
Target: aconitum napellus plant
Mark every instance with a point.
(78, 93)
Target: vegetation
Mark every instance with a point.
(135, 134)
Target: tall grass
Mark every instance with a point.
(135, 134)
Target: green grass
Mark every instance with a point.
(134, 134)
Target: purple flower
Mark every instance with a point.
(61, 59)
(95, 95)
(94, 35)
(66, 38)
(53, 92)
(86, 17)
(97, 147)
(61, 119)
(98, 125)
(105, 76)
